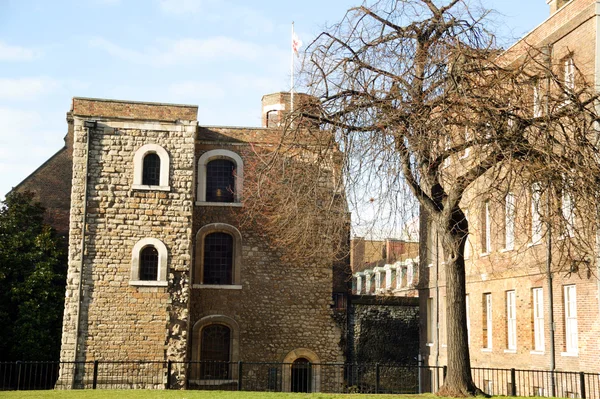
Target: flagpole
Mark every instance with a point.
(292, 72)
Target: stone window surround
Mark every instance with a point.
(234, 346)
(138, 167)
(163, 259)
(198, 273)
(239, 177)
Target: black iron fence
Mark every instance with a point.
(287, 377)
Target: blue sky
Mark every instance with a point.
(221, 55)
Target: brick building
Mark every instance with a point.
(168, 272)
(508, 287)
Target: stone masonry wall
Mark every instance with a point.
(120, 321)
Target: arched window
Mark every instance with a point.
(220, 181)
(215, 352)
(149, 263)
(220, 178)
(151, 170)
(215, 339)
(218, 258)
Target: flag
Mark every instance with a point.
(296, 43)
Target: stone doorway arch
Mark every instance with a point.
(301, 366)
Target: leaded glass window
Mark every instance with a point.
(218, 258)
(220, 181)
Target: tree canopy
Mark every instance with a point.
(32, 282)
(408, 88)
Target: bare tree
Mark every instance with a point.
(405, 88)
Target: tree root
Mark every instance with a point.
(456, 392)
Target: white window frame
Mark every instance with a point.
(509, 222)
(468, 310)
(571, 334)
(537, 98)
(536, 216)
(468, 239)
(568, 212)
(430, 321)
(538, 319)
(163, 258)
(569, 69)
(487, 242)
(239, 177)
(410, 272)
(488, 341)
(511, 320)
(138, 168)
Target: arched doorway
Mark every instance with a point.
(301, 375)
(302, 371)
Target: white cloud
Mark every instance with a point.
(185, 51)
(15, 122)
(181, 7)
(17, 53)
(25, 88)
(107, 2)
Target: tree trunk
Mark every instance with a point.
(458, 381)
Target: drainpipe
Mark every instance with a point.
(437, 302)
(89, 126)
(549, 51)
(551, 303)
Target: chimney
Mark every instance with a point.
(276, 106)
(556, 5)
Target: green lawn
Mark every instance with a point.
(151, 394)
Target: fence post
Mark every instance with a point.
(376, 377)
(513, 385)
(169, 367)
(582, 384)
(239, 375)
(18, 375)
(95, 380)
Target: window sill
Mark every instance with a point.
(146, 283)
(231, 204)
(489, 350)
(537, 353)
(217, 286)
(533, 244)
(484, 254)
(569, 354)
(504, 250)
(144, 187)
(510, 351)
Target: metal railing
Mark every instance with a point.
(287, 377)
